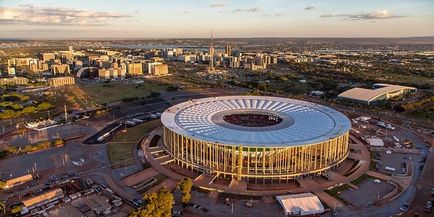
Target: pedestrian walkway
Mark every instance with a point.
(156, 164)
(328, 199)
(378, 175)
(140, 177)
(241, 187)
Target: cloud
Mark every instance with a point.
(374, 15)
(248, 10)
(308, 8)
(271, 15)
(218, 5)
(31, 15)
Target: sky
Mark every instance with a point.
(57, 19)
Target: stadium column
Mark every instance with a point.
(233, 159)
(292, 159)
(335, 149)
(321, 154)
(225, 159)
(240, 162)
(271, 159)
(190, 143)
(182, 151)
(287, 160)
(256, 161)
(217, 156)
(263, 160)
(315, 164)
(209, 155)
(248, 161)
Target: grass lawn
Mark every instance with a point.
(334, 192)
(427, 113)
(106, 93)
(122, 147)
(359, 180)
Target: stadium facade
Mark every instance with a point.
(255, 137)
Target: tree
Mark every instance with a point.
(58, 142)
(3, 205)
(44, 106)
(185, 186)
(28, 110)
(2, 185)
(156, 205)
(7, 114)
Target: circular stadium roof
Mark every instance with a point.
(298, 123)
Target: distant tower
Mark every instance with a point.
(211, 55)
(71, 49)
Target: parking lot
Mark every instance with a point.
(236, 207)
(368, 192)
(395, 162)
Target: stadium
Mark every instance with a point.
(255, 137)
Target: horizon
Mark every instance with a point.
(45, 19)
(220, 38)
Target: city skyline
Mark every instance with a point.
(229, 19)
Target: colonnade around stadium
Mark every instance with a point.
(256, 163)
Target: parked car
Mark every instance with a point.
(428, 206)
(404, 207)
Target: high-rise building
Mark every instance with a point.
(71, 49)
(14, 80)
(11, 71)
(103, 74)
(123, 69)
(47, 56)
(33, 67)
(111, 73)
(61, 81)
(42, 66)
(135, 69)
(60, 69)
(78, 64)
(228, 50)
(159, 69)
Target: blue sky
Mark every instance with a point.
(228, 18)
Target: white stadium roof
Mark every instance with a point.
(302, 122)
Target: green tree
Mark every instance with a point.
(7, 114)
(262, 86)
(44, 106)
(2, 205)
(6, 104)
(2, 184)
(58, 142)
(16, 107)
(12, 149)
(28, 110)
(156, 205)
(185, 185)
(24, 98)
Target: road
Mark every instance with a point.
(115, 185)
(392, 208)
